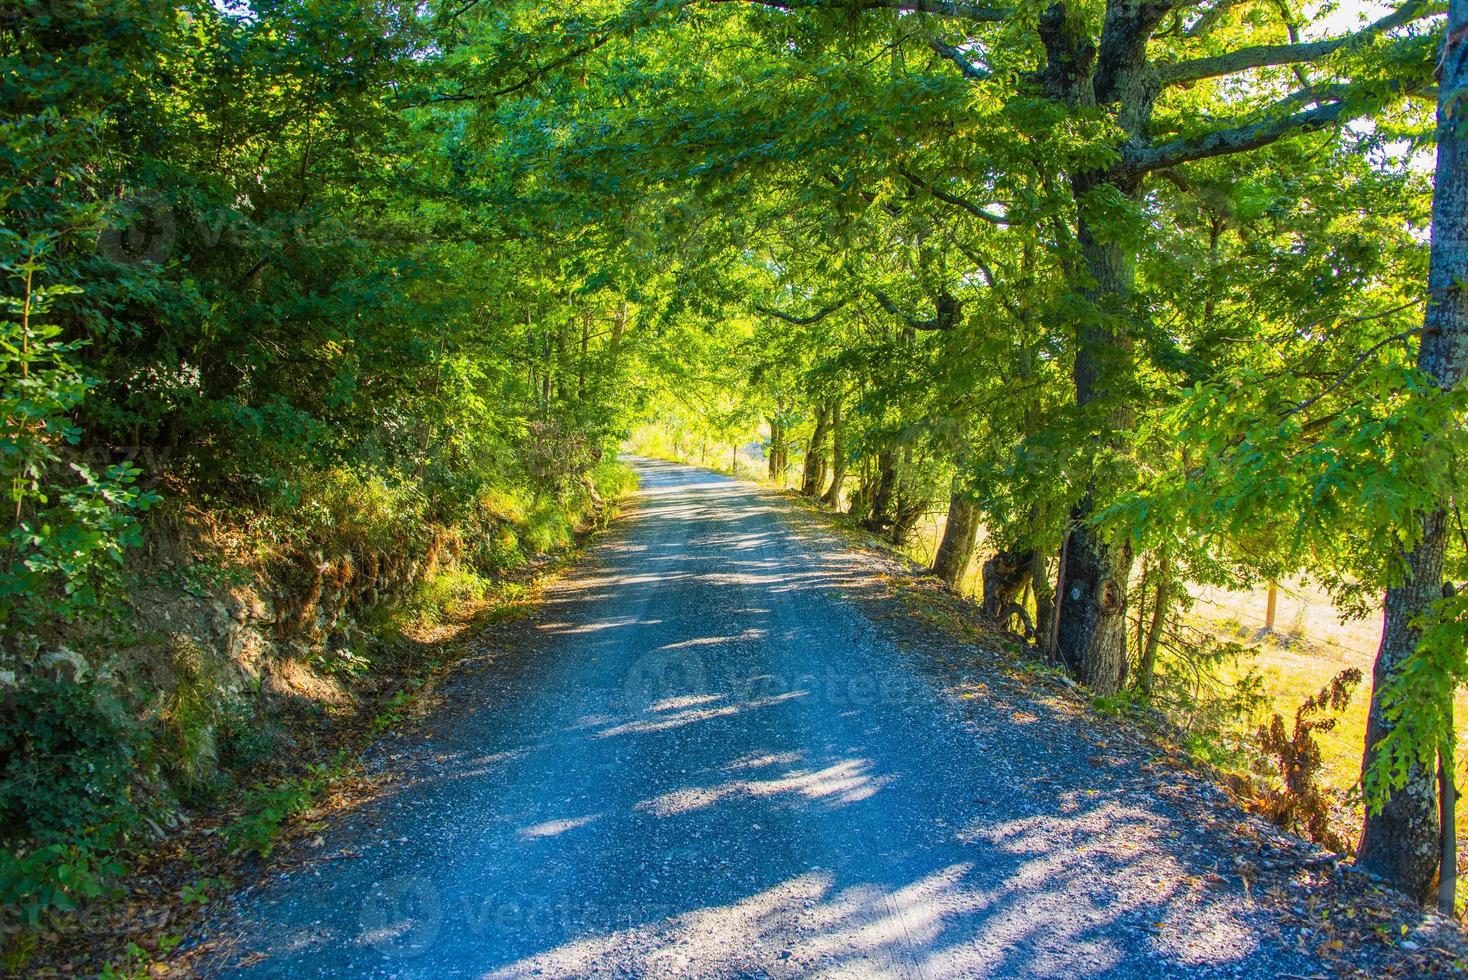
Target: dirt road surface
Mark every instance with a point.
(705, 759)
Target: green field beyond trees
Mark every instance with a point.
(326, 320)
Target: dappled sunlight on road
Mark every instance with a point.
(551, 828)
(1074, 864)
(947, 922)
(841, 782)
(688, 716)
(707, 763)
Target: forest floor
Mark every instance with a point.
(736, 742)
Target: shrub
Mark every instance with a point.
(359, 511)
(71, 522)
(65, 793)
(64, 757)
(547, 528)
(613, 478)
(1299, 804)
(56, 876)
(440, 593)
(268, 806)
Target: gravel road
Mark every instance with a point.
(704, 758)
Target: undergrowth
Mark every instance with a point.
(105, 743)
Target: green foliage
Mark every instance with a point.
(55, 877)
(613, 479)
(65, 758)
(65, 793)
(267, 807)
(1418, 699)
(355, 511)
(440, 593)
(69, 523)
(203, 891)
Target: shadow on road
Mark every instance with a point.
(707, 762)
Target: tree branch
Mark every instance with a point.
(1209, 17)
(949, 311)
(1140, 160)
(1334, 102)
(954, 199)
(802, 321)
(1365, 355)
(535, 75)
(1266, 55)
(987, 271)
(943, 8)
(970, 70)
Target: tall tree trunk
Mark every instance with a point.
(1147, 663)
(814, 471)
(880, 515)
(1092, 602)
(777, 452)
(1091, 633)
(1091, 613)
(957, 547)
(832, 496)
(1400, 843)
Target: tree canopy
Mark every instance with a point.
(1136, 286)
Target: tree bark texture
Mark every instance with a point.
(1092, 604)
(779, 453)
(832, 496)
(884, 485)
(956, 549)
(814, 471)
(1005, 577)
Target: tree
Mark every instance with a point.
(956, 551)
(1400, 838)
